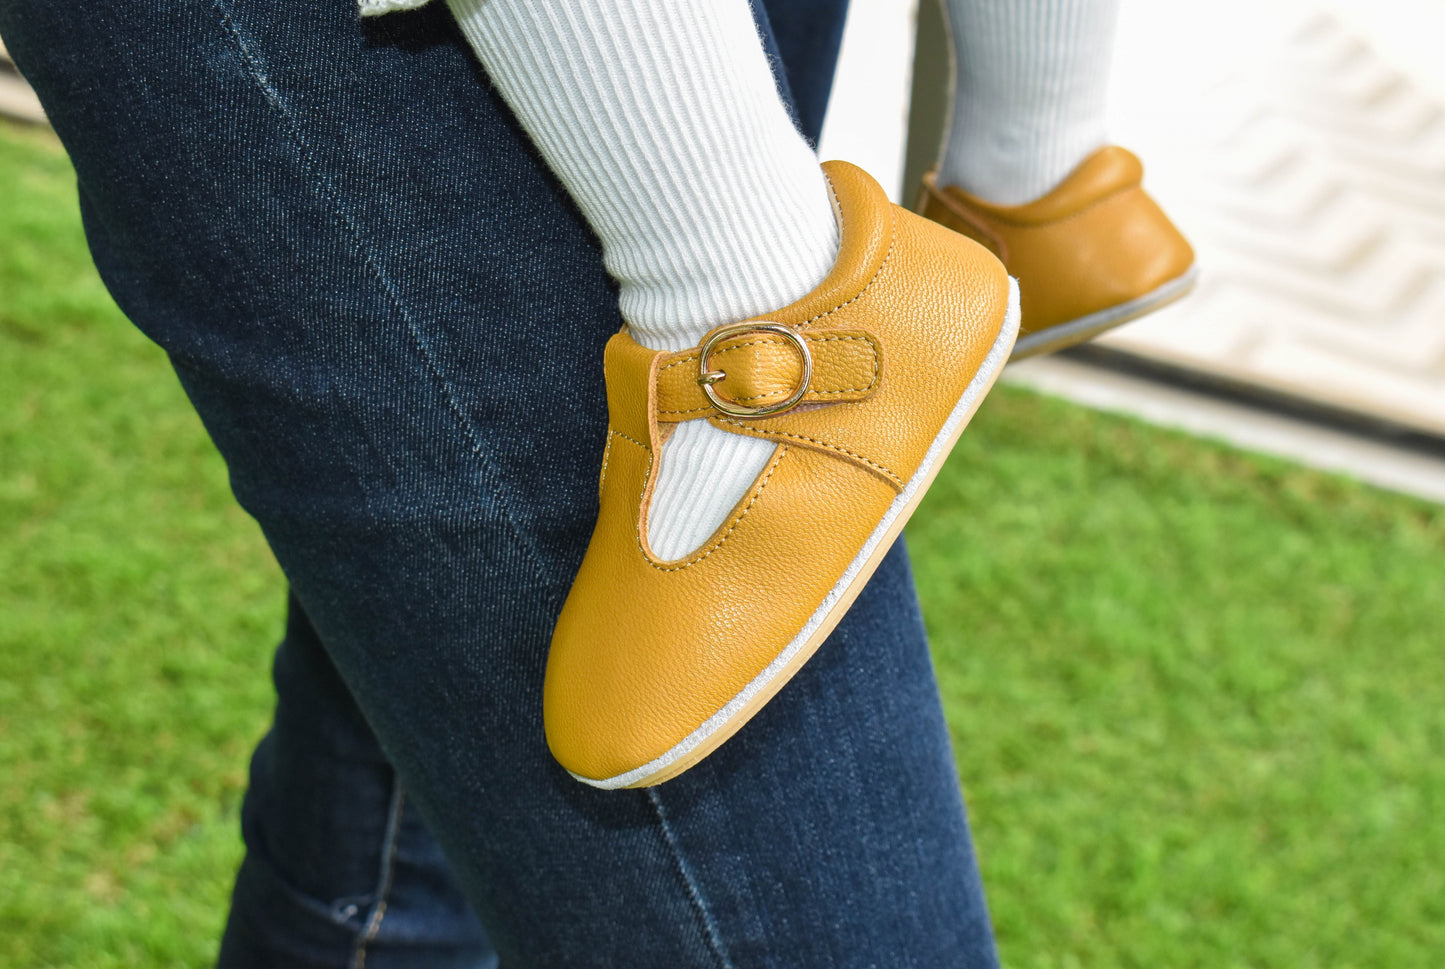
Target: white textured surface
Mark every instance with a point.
(1306, 160)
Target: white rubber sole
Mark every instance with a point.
(737, 711)
(1087, 327)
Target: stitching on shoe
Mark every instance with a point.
(892, 241)
(609, 451)
(692, 357)
(606, 455)
(634, 440)
(777, 459)
(888, 257)
(783, 449)
(812, 440)
(873, 382)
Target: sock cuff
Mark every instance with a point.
(664, 123)
(1029, 93)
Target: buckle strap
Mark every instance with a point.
(754, 370)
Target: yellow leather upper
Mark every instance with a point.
(646, 650)
(1094, 242)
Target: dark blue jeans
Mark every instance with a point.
(391, 320)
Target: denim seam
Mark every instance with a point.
(384, 877)
(694, 892)
(257, 72)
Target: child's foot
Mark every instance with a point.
(1093, 253)
(861, 387)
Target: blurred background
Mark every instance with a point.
(1185, 586)
(1302, 142)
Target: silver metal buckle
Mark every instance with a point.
(706, 378)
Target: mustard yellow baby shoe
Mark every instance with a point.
(864, 385)
(1095, 252)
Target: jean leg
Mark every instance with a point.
(335, 863)
(338, 872)
(391, 321)
(806, 35)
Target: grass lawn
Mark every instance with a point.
(1197, 696)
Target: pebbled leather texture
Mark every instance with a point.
(1094, 242)
(765, 369)
(645, 651)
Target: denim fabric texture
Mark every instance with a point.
(391, 320)
(803, 38)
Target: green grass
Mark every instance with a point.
(1196, 695)
(137, 612)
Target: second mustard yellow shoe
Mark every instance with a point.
(864, 385)
(1092, 254)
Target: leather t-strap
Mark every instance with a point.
(756, 370)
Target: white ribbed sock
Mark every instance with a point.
(1029, 94)
(663, 121)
